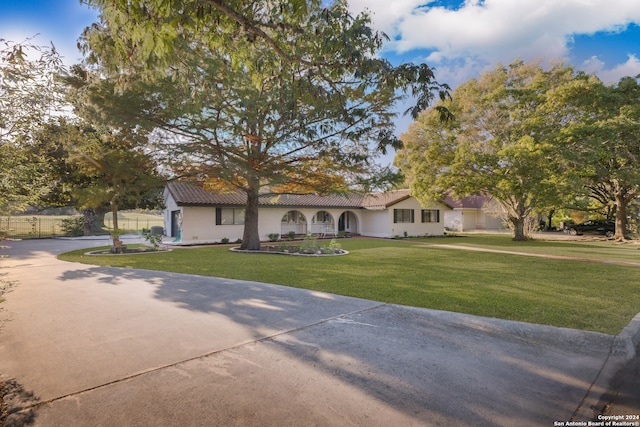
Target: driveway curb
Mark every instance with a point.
(623, 349)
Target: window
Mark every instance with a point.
(323, 217)
(402, 215)
(430, 215)
(229, 216)
(294, 217)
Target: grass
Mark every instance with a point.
(600, 297)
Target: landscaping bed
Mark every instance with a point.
(294, 250)
(124, 250)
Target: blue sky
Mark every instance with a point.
(460, 39)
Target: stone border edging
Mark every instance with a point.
(238, 250)
(96, 253)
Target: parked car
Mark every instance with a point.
(593, 226)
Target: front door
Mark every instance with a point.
(175, 223)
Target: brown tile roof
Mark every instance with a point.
(469, 202)
(190, 195)
(384, 200)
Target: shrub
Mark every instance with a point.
(273, 237)
(73, 227)
(154, 239)
(291, 235)
(224, 240)
(334, 245)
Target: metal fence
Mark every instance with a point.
(39, 227)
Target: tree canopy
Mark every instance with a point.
(254, 96)
(500, 143)
(29, 97)
(601, 139)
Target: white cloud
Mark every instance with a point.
(482, 33)
(630, 68)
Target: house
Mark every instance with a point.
(194, 215)
(472, 213)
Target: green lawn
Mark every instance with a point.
(575, 294)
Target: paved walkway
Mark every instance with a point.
(530, 254)
(99, 346)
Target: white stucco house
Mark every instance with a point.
(471, 214)
(195, 216)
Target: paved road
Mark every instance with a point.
(97, 346)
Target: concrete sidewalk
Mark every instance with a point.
(99, 346)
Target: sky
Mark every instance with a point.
(459, 39)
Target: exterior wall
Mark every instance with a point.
(199, 223)
(375, 223)
(453, 221)
(471, 219)
(270, 221)
(380, 223)
(199, 227)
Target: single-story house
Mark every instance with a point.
(194, 215)
(472, 213)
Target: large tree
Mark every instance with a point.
(96, 170)
(279, 96)
(500, 142)
(29, 97)
(601, 138)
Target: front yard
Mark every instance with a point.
(595, 296)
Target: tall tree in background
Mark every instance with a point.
(500, 143)
(601, 138)
(121, 176)
(96, 171)
(282, 96)
(29, 97)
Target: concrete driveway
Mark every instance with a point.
(96, 346)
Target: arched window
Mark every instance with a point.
(323, 223)
(294, 221)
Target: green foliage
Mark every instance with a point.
(154, 239)
(73, 226)
(309, 245)
(500, 143)
(116, 233)
(28, 95)
(601, 133)
(273, 237)
(334, 245)
(285, 95)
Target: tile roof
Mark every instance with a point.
(384, 200)
(470, 202)
(190, 195)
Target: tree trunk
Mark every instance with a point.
(251, 235)
(114, 212)
(621, 217)
(89, 221)
(518, 228)
(549, 219)
(98, 221)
